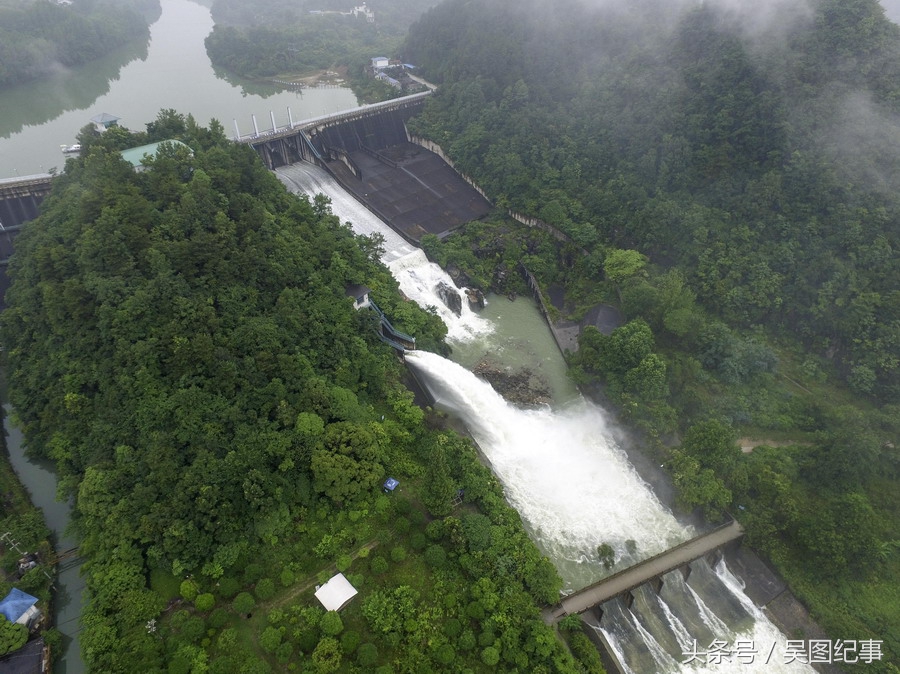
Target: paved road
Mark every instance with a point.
(637, 575)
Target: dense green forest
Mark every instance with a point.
(180, 343)
(39, 38)
(727, 178)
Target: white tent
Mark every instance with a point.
(336, 593)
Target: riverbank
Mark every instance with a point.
(326, 77)
(769, 591)
(761, 583)
(26, 535)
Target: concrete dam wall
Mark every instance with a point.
(411, 188)
(20, 201)
(375, 132)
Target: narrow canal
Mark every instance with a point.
(40, 481)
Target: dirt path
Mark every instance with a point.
(311, 581)
(748, 444)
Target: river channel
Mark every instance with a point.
(560, 465)
(173, 71)
(564, 471)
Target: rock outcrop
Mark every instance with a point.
(450, 296)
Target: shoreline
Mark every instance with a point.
(762, 583)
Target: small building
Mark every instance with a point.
(104, 121)
(390, 485)
(360, 295)
(336, 593)
(379, 62)
(20, 607)
(384, 77)
(135, 155)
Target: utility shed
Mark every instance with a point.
(104, 120)
(360, 295)
(19, 607)
(336, 593)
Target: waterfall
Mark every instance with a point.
(574, 488)
(416, 275)
(560, 470)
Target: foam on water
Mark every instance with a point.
(560, 469)
(572, 485)
(417, 277)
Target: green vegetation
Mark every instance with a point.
(12, 636)
(180, 343)
(285, 39)
(37, 38)
(728, 184)
(25, 525)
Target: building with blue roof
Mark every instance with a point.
(20, 607)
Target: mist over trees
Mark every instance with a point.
(257, 39)
(726, 173)
(38, 38)
(754, 149)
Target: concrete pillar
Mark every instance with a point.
(657, 584)
(290, 118)
(685, 572)
(272, 117)
(237, 132)
(627, 599)
(255, 128)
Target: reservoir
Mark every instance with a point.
(135, 83)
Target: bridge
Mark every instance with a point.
(649, 571)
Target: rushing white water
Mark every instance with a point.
(575, 489)
(417, 276)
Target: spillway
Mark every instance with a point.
(575, 489)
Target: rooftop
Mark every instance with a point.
(135, 155)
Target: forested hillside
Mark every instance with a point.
(181, 344)
(38, 38)
(727, 176)
(256, 39)
(758, 152)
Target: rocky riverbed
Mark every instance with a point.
(523, 388)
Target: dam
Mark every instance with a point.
(20, 201)
(369, 151)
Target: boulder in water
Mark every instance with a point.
(449, 296)
(521, 387)
(476, 298)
